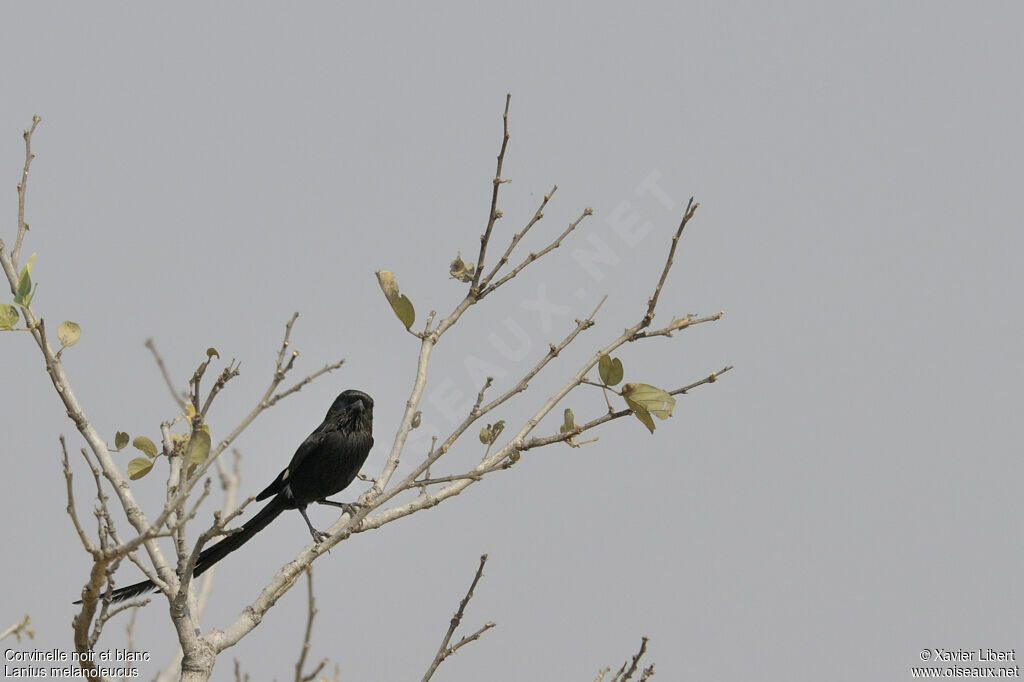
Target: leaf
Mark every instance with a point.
(400, 303)
(198, 447)
(139, 467)
(568, 421)
(8, 316)
(645, 400)
(460, 270)
(417, 419)
(485, 435)
(146, 445)
(120, 440)
(210, 352)
(24, 294)
(610, 370)
(68, 333)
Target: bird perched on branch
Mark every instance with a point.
(324, 465)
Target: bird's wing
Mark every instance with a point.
(312, 442)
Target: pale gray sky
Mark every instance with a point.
(846, 497)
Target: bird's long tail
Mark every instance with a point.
(211, 555)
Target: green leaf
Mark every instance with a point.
(120, 440)
(417, 419)
(68, 333)
(199, 447)
(24, 295)
(146, 445)
(485, 435)
(8, 316)
(210, 352)
(610, 369)
(139, 467)
(400, 303)
(646, 400)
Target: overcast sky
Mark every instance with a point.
(846, 497)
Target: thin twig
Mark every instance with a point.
(517, 237)
(22, 188)
(179, 398)
(444, 651)
(691, 208)
(536, 442)
(494, 213)
(311, 611)
(534, 255)
(17, 628)
(625, 673)
(89, 547)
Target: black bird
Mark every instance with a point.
(325, 464)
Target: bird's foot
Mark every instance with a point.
(319, 536)
(350, 508)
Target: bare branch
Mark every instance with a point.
(495, 213)
(89, 547)
(444, 651)
(691, 208)
(179, 398)
(22, 189)
(311, 611)
(537, 254)
(676, 325)
(17, 628)
(517, 237)
(625, 673)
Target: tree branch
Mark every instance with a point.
(22, 189)
(444, 651)
(494, 213)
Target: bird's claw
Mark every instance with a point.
(351, 508)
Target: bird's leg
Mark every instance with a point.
(350, 508)
(318, 536)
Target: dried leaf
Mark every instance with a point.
(646, 400)
(400, 303)
(68, 333)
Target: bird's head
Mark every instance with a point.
(352, 406)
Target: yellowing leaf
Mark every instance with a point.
(568, 421)
(210, 352)
(645, 400)
(8, 316)
(199, 447)
(139, 467)
(68, 333)
(400, 303)
(146, 445)
(610, 370)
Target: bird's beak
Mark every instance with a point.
(358, 406)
